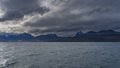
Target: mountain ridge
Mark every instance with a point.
(91, 36)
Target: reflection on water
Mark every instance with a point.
(59, 55)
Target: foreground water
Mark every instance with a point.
(59, 55)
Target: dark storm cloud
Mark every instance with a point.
(62, 16)
(16, 9)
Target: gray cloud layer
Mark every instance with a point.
(63, 17)
(16, 9)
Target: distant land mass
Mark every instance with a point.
(91, 36)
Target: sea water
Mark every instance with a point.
(59, 55)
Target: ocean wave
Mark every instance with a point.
(9, 63)
(3, 62)
(33, 54)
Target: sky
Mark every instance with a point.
(61, 17)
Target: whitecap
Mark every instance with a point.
(3, 62)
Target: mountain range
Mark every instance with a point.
(91, 36)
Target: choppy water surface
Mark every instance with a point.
(59, 55)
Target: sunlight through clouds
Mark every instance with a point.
(58, 16)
